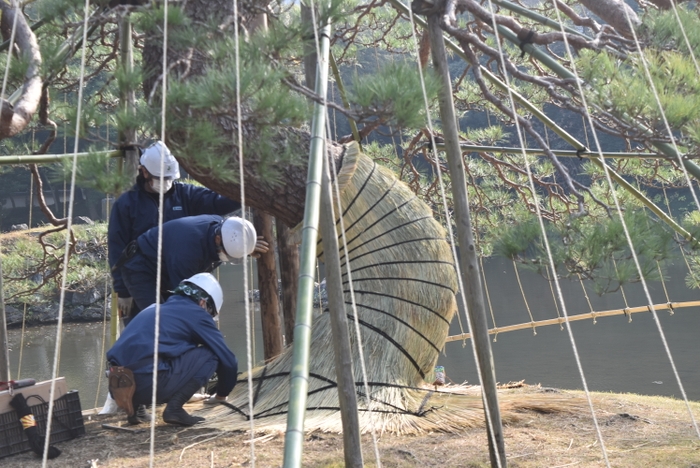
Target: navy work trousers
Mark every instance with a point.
(142, 287)
(199, 364)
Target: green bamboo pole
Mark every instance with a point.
(4, 349)
(51, 158)
(537, 17)
(344, 98)
(299, 376)
(559, 153)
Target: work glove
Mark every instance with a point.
(215, 400)
(124, 305)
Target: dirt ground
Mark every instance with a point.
(638, 431)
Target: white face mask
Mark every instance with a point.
(223, 257)
(158, 188)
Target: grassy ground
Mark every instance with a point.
(638, 431)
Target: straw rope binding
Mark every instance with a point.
(404, 284)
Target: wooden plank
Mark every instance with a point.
(41, 389)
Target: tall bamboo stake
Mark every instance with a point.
(347, 395)
(299, 376)
(468, 258)
(4, 350)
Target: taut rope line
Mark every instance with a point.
(545, 238)
(353, 304)
(491, 432)
(617, 202)
(159, 250)
(69, 224)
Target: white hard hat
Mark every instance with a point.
(209, 284)
(150, 159)
(235, 232)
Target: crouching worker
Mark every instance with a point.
(190, 350)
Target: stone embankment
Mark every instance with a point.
(86, 306)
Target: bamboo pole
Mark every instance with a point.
(573, 318)
(4, 349)
(127, 137)
(533, 15)
(299, 376)
(344, 99)
(468, 260)
(51, 158)
(347, 395)
(559, 153)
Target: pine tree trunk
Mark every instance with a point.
(289, 271)
(267, 284)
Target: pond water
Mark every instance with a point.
(616, 355)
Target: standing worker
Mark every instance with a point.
(194, 244)
(136, 211)
(190, 350)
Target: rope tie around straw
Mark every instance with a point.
(404, 284)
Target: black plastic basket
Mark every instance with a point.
(66, 423)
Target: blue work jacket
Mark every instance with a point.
(136, 211)
(184, 325)
(188, 248)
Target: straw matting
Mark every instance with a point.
(404, 283)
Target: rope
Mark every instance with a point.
(349, 281)
(554, 296)
(24, 311)
(426, 104)
(677, 237)
(685, 36)
(667, 126)
(488, 300)
(104, 343)
(622, 290)
(522, 293)
(239, 139)
(69, 225)
(159, 249)
(617, 202)
(544, 234)
(21, 340)
(588, 300)
(658, 264)
(9, 53)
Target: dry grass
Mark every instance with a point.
(638, 431)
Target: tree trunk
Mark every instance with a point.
(267, 283)
(288, 253)
(13, 119)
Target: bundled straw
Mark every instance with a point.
(404, 283)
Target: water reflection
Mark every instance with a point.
(615, 355)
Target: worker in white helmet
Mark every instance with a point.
(191, 245)
(136, 210)
(190, 350)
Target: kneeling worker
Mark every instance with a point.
(190, 350)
